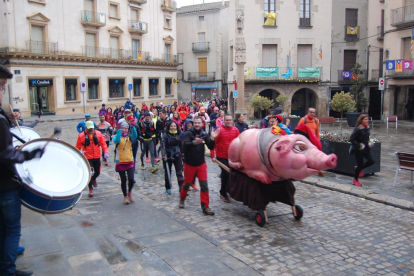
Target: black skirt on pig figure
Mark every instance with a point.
(361, 147)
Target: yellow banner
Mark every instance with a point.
(351, 30)
(270, 19)
(247, 71)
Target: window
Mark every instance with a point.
(167, 53)
(135, 49)
(153, 87)
(116, 88)
(231, 58)
(168, 83)
(168, 23)
(270, 6)
(202, 67)
(304, 13)
(90, 48)
(269, 55)
(351, 17)
(202, 37)
(37, 44)
(114, 46)
(137, 87)
(406, 48)
(350, 57)
(134, 15)
(114, 10)
(201, 18)
(89, 5)
(304, 55)
(71, 89)
(93, 88)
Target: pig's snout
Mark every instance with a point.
(331, 161)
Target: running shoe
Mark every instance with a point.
(181, 204)
(356, 183)
(106, 163)
(20, 250)
(131, 199)
(154, 169)
(208, 211)
(95, 184)
(126, 200)
(90, 192)
(157, 160)
(225, 198)
(142, 167)
(147, 160)
(168, 192)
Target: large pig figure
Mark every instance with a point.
(267, 157)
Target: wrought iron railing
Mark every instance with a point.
(94, 18)
(201, 76)
(201, 47)
(170, 58)
(138, 26)
(305, 22)
(375, 75)
(403, 16)
(169, 4)
(111, 53)
(346, 76)
(405, 71)
(40, 47)
(352, 33)
(138, 1)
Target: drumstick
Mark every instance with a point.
(17, 123)
(224, 167)
(57, 131)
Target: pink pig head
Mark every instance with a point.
(295, 157)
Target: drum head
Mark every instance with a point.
(62, 171)
(27, 134)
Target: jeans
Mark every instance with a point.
(360, 155)
(96, 165)
(150, 146)
(224, 177)
(178, 164)
(10, 227)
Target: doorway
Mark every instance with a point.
(374, 109)
(41, 96)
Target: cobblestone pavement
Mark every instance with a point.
(339, 234)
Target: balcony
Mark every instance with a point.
(352, 33)
(170, 58)
(138, 2)
(201, 76)
(137, 27)
(201, 47)
(403, 73)
(281, 74)
(380, 33)
(270, 22)
(375, 75)
(42, 48)
(305, 23)
(169, 5)
(95, 19)
(345, 76)
(403, 17)
(108, 53)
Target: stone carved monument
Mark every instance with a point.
(240, 57)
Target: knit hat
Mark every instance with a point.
(127, 110)
(125, 124)
(308, 133)
(147, 114)
(16, 110)
(89, 125)
(216, 108)
(279, 118)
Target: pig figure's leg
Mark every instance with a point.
(234, 154)
(260, 175)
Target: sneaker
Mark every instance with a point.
(168, 192)
(106, 163)
(225, 198)
(356, 183)
(90, 192)
(181, 205)
(154, 169)
(131, 199)
(23, 273)
(194, 187)
(95, 184)
(361, 173)
(142, 167)
(208, 211)
(20, 250)
(147, 160)
(126, 200)
(157, 160)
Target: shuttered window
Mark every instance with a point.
(202, 37)
(269, 55)
(406, 48)
(305, 55)
(350, 57)
(351, 18)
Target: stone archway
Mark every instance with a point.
(270, 94)
(303, 99)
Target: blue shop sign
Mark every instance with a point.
(40, 82)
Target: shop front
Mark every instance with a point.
(41, 95)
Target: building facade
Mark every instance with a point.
(202, 38)
(71, 56)
(287, 52)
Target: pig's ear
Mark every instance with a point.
(282, 147)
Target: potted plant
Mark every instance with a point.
(260, 103)
(357, 88)
(342, 102)
(282, 99)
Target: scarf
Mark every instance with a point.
(173, 132)
(125, 134)
(364, 125)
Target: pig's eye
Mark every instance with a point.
(299, 146)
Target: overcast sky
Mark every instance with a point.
(181, 3)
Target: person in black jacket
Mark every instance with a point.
(10, 206)
(171, 154)
(240, 124)
(361, 147)
(195, 164)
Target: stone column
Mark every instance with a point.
(240, 57)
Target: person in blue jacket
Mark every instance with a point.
(128, 104)
(81, 126)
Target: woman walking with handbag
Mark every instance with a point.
(361, 147)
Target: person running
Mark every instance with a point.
(148, 130)
(17, 115)
(124, 159)
(311, 122)
(171, 154)
(183, 110)
(120, 114)
(158, 128)
(220, 119)
(103, 110)
(89, 141)
(110, 117)
(106, 129)
(240, 124)
(203, 115)
(176, 118)
(361, 147)
(223, 137)
(81, 126)
(195, 164)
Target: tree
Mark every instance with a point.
(358, 86)
(342, 102)
(282, 99)
(260, 103)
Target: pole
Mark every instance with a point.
(84, 104)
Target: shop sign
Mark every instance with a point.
(42, 82)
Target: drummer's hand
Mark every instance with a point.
(213, 159)
(35, 153)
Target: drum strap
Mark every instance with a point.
(87, 140)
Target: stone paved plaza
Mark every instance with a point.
(339, 234)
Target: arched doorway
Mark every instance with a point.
(270, 94)
(302, 100)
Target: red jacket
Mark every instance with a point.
(223, 140)
(92, 151)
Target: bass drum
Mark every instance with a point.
(27, 134)
(53, 183)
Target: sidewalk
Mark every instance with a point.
(111, 239)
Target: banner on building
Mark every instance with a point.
(248, 71)
(351, 30)
(398, 66)
(270, 19)
(267, 72)
(346, 74)
(309, 72)
(407, 65)
(390, 65)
